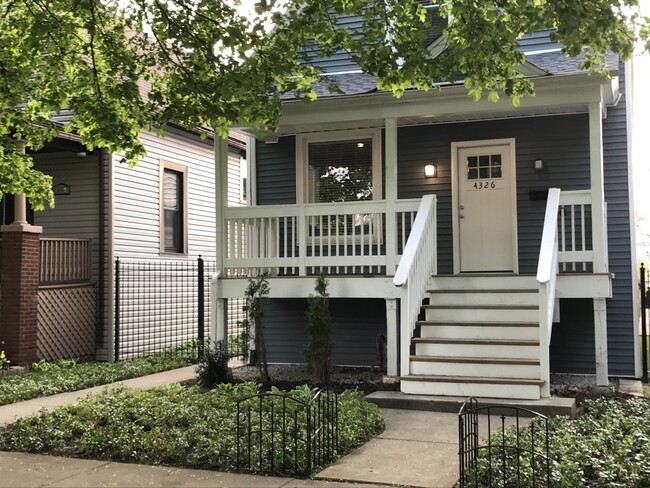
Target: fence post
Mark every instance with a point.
(644, 339)
(201, 308)
(117, 309)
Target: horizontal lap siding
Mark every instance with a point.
(136, 212)
(276, 172)
(355, 334)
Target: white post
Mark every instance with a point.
(390, 135)
(20, 202)
(221, 194)
(392, 353)
(405, 333)
(544, 353)
(597, 186)
(600, 339)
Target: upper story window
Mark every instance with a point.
(339, 167)
(173, 193)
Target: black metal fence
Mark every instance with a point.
(283, 434)
(162, 307)
(644, 290)
(496, 450)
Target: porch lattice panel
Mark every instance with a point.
(67, 322)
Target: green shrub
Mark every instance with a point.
(44, 378)
(173, 425)
(606, 446)
(318, 352)
(213, 368)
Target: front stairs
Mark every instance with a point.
(480, 337)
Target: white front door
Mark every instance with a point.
(486, 207)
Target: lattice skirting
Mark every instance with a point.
(67, 322)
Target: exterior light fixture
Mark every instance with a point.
(430, 170)
(62, 189)
(539, 164)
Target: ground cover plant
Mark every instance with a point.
(43, 378)
(171, 425)
(606, 446)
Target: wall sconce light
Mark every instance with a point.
(539, 164)
(430, 170)
(62, 189)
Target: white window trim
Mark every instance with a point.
(302, 158)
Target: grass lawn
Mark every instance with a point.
(177, 426)
(43, 379)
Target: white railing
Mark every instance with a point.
(65, 260)
(547, 270)
(418, 264)
(575, 251)
(331, 238)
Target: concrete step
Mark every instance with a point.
(482, 281)
(483, 313)
(504, 348)
(553, 406)
(479, 330)
(484, 297)
(475, 367)
(520, 388)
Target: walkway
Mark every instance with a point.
(417, 449)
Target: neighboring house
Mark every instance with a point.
(448, 202)
(160, 212)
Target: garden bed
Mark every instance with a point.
(187, 427)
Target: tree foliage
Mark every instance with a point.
(121, 66)
(318, 351)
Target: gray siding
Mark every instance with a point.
(538, 41)
(355, 335)
(563, 143)
(276, 172)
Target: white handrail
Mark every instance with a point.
(547, 270)
(418, 264)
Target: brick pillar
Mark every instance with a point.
(18, 306)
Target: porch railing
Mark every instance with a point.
(418, 264)
(575, 241)
(303, 240)
(65, 260)
(547, 270)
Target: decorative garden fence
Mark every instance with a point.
(508, 456)
(282, 434)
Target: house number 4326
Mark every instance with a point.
(484, 185)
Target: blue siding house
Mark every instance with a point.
(489, 245)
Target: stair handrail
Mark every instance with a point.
(418, 263)
(547, 270)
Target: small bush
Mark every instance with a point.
(213, 368)
(318, 352)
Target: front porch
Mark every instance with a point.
(290, 246)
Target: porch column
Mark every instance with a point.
(600, 339)
(390, 135)
(221, 195)
(596, 172)
(19, 268)
(392, 345)
(599, 236)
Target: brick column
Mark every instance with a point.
(18, 306)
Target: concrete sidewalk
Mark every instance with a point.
(417, 449)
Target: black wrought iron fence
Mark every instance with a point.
(499, 450)
(644, 290)
(162, 307)
(279, 433)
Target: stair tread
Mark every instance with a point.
(477, 360)
(482, 307)
(483, 290)
(477, 324)
(473, 379)
(497, 342)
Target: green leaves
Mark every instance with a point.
(128, 65)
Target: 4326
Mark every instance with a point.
(484, 185)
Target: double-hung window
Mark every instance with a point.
(173, 202)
